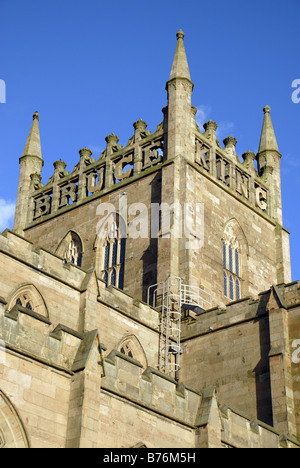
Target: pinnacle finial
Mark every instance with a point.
(33, 143)
(268, 138)
(180, 68)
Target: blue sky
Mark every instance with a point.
(94, 67)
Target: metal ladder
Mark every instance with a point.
(168, 297)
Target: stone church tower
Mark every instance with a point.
(146, 296)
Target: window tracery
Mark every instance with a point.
(28, 296)
(114, 256)
(25, 301)
(125, 349)
(73, 252)
(231, 263)
(70, 249)
(130, 346)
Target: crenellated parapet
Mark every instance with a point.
(215, 424)
(57, 346)
(150, 388)
(92, 178)
(240, 311)
(240, 431)
(219, 318)
(128, 306)
(40, 259)
(255, 341)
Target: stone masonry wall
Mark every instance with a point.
(228, 348)
(141, 254)
(73, 389)
(205, 266)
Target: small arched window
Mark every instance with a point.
(73, 253)
(30, 298)
(130, 346)
(70, 249)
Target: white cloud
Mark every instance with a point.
(224, 127)
(7, 212)
(202, 116)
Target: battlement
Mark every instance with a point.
(239, 311)
(40, 259)
(289, 294)
(240, 431)
(215, 425)
(127, 305)
(60, 347)
(220, 317)
(150, 388)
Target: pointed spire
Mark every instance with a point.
(180, 68)
(268, 139)
(33, 144)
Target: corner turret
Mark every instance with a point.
(268, 159)
(31, 163)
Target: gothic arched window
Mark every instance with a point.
(114, 255)
(27, 296)
(73, 252)
(70, 249)
(130, 346)
(231, 263)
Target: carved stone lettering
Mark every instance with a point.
(242, 184)
(261, 198)
(91, 181)
(118, 170)
(69, 192)
(42, 206)
(151, 157)
(200, 151)
(220, 169)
